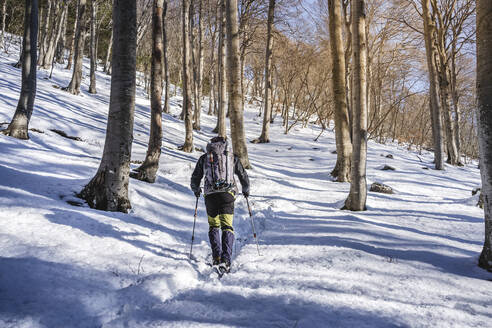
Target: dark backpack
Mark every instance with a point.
(219, 167)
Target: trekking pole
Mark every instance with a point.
(194, 221)
(253, 226)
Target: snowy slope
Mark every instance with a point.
(409, 261)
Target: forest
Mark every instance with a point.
(364, 126)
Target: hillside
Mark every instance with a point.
(408, 261)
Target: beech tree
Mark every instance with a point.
(4, 16)
(166, 60)
(484, 104)
(235, 97)
(18, 127)
(356, 200)
(108, 189)
(429, 35)
(267, 112)
(74, 86)
(187, 108)
(148, 170)
(342, 129)
(221, 128)
(93, 47)
(198, 68)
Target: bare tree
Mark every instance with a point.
(45, 32)
(221, 128)
(74, 86)
(342, 129)
(61, 12)
(356, 200)
(93, 47)
(4, 15)
(107, 62)
(148, 170)
(429, 35)
(166, 59)
(18, 127)
(108, 189)
(234, 70)
(187, 108)
(484, 103)
(267, 113)
(197, 57)
(74, 35)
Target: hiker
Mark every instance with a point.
(218, 166)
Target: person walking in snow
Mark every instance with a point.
(218, 166)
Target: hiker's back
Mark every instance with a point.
(219, 168)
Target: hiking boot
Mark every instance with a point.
(225, 266)
(216, 261)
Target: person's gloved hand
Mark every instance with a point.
(197, 192)
(246, 193)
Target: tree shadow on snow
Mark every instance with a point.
(197, 306)
(52, 294)
(76, 219)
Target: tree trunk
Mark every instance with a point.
(107, 62)
(74, 86)
(265, 131)
(199, 70)
(74, 33)
(456, 106)
(18, 127)
(236, 110)
(60, 46)
(148, 170)
(4, 15)
(187, 108)
(45, 33)
(434, 101)
(484, 104)
(221, 128)
(166, 60)
(356, 200)
(342, 128)
(60, 13)
(446, 109)
(93, 46)
(108, 189)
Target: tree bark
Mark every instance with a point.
(342, 128)
(107, 62)
(74, 86)
(46, 31)
(74, 33)
(187, 108)
(265, 131)
(4, 15)
(444, 88)
(199, 70)
(235, 102)
(148, 170)
(356, 200)
(18, 127)
(62, 41)
(93, 48)
(484, 104)
(108, 189)
(221, 128)
(61, 14)
(434, 101)
(166, 60)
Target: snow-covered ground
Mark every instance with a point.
(408, 261)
